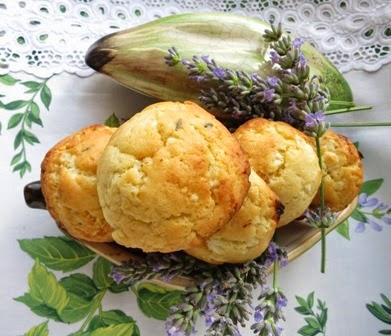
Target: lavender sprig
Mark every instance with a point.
(221, 294)
(289, 95)
(268, 313)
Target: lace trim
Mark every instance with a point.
(49, 37)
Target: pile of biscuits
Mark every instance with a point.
(174, 178)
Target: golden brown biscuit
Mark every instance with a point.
(343, 171)
(285, 159)
(248, 233)
(171, 175)
(68, 178)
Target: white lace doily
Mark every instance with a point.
(49, 37)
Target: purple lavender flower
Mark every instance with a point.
(274, 57)
(282, 301)
(315, 123)
(272, 81)
(174, 331)
(382, 206)
(219, 73)
(302, 61)
(366, 202)
(272, 251)
(297, 42)
(313, 120)
(197, 78)
(268, 95)
(374, 225)
(210, 318)
(206, 59)
(387, 220)
(360, 227)
(258, 316)
(186, 62)
(284, 261)
(117, 276)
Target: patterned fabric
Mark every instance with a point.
(49, 37)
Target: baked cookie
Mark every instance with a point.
(285, 159)
(248, 233)
(68, 179)
(343, 171)
(170, 176)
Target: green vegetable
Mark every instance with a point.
(135, 57)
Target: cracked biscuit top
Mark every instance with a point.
(285, 159)
(343, 171)
(68, 180)
(170, 177)
(248, 234)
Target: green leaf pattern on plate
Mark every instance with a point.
(315, 322)
(101, 271)
(45, 288)
(155, 301)
(26, 115)
(75, 297)
(57, 253)
(382, 311)
(39, 330)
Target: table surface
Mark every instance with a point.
(358, 270)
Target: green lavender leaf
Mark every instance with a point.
(112, 121)
(302, 302)
(34, 114)
(16, 158)
(155, 301)
(39, 330)
(386, 300)
(57, 253)
(313, 322)
(343, 229)
(80, 285)
(45, 288)
(358, 216)
(385, 332)
(38, 308)
(323, 318)
(8, 80)
(302, 310)
(22, 168)
(308, 331)
(371, 186)
(101, 270)
(379, 312)
(32, 85)
(30, 137)
(15, 120)
(18, 139)
(310, 300)
(46, 96)
(15, 105)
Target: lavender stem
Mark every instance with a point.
(322, 207)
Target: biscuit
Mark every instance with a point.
(68, 179)
(284, 158)
(171, 176)
(343, 171)
(248, 233)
